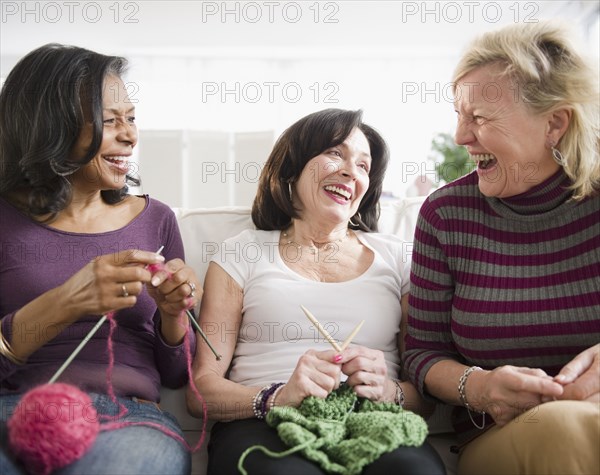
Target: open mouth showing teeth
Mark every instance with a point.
(121, 161)
(485, 160)
(341, 192)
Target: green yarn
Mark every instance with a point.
(342, 433)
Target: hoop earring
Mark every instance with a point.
(359, 219)
(55, 167)
(557, 156)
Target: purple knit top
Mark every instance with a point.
(503, 281)
(35, 258)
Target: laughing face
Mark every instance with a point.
(332, 184)
(109, 167)
(507, 141)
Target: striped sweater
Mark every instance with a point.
(503, 281)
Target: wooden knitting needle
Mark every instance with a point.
(322, 330)
(348, 340)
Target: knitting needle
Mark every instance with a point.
(202, 334)
(348, 340)
(78, 349)
(195, 324)
(322, 330)
(87, 338)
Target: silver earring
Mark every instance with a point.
(290, 188)
(557, 156)
(56, 168)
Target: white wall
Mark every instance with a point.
(392, 59)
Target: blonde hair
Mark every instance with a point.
(550, 75)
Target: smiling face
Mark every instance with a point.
(508, 142)
(332, 184)
(109, 167)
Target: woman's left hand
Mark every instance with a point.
(367, 373)
(175, 288)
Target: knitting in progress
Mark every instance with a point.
(342, 433)
(55, 424)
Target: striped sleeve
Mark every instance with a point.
(429, 339)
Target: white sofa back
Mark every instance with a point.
(204, 229)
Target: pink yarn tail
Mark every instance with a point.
(154, 425)
(123, 410)
(109, 369)
(188, 355)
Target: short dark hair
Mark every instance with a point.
(273, 209)
(44, 104)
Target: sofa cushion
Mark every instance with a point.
(204, 229)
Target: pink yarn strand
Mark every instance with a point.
(109, 369)
(123, 409)
(188, 355)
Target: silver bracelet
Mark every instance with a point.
(462, 383)
(399, 396)
(275, 393)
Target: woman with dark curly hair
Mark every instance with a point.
(75, 245)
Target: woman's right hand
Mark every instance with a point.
(508, 391)
(95, 289)
(109, 282)
(317, 374)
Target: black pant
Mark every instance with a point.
(228, 440)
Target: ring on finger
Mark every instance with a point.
(192, 288)
(124, 292)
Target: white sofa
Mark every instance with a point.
(203, 230)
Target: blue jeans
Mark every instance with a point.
(130, 450)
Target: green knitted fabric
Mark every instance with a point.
(343, 433)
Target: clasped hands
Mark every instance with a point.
(508, 391)
(318, 373)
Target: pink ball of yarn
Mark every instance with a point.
(52, 426)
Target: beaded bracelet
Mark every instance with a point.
(256, 401)
(399, 396)
(259, 401)
(462, 383)
(265, 398)
(272, 401)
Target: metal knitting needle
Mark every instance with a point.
(195, 324)
(77, 350)
(87, 338)
(202, 334)
(321, 329)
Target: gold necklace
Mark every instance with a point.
(312, 248)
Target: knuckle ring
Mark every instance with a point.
(124, 289)
(192, 288)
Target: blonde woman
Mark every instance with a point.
(504, 316)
